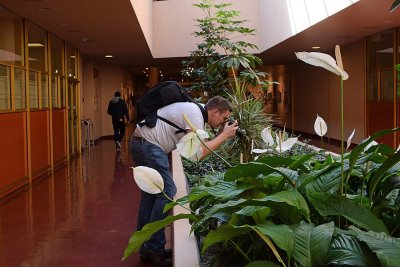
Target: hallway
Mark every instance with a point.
(81, 216)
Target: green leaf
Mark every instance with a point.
(307, 178)
(329, 205)
(262, 264)
(253, 169)
(292, 198)
(282, 235)
(387, 248)
(389, 167)
(226, 190)
(312, 243)
(259, 214)
(328, 181)
(347, 251)
(355, 153)
(139, 237)
(223, 233)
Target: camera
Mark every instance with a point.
(239, 132)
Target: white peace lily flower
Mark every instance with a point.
(398, 148)
(267, 136)
(286, 145)
(190, 146)
(149, 180)
(349, 139)
(322, 60)
(320, 126)
(260, 151)
(373, 143)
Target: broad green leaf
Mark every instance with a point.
(387, 248)
(307, 178)
(330, 205)
(226, 190)
(347, 251)
(221, 234)
(282, 235)
(259, 214)
(197, 192)
(292, 198)
(312, 243)
(276, 161)
(355, 153)
(388, 168)
(139, 237)
(300, 161)
(262, 264)
(327, 182)
(253, 169)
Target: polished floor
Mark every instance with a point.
(83, 215)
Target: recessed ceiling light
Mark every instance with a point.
(35, 45)
(72, 56)
(316, 47)
(108, 56)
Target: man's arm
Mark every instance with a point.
(109, 109)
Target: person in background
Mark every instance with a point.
(119, 111)
(150, 147)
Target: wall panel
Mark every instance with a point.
(39, 131)
(59, 135)
(13, 157)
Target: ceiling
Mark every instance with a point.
(366, 17)
(105, 27)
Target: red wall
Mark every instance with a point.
(13, 157)
(59, 135)
(40, 156)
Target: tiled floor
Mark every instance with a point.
(82, 216)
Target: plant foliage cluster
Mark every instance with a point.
(224, 65)
(287, 210)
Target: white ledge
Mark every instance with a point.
(184, 244)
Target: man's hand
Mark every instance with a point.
(229, 129)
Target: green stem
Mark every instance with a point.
(342, 136)
(192, 212)
(215, 153)
(240, 251)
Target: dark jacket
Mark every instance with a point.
(117, 109)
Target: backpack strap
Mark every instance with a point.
(180, 130)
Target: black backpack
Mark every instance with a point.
(161, 95)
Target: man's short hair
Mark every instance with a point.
(117, 94)
(220, 103)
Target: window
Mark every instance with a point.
(37, 44)
(33, 90)
(54, 91)
(5, 88)
(57, 49)
(44, 96)
(71, 61)
(11, 47)
(380, 62)
(19, 88)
